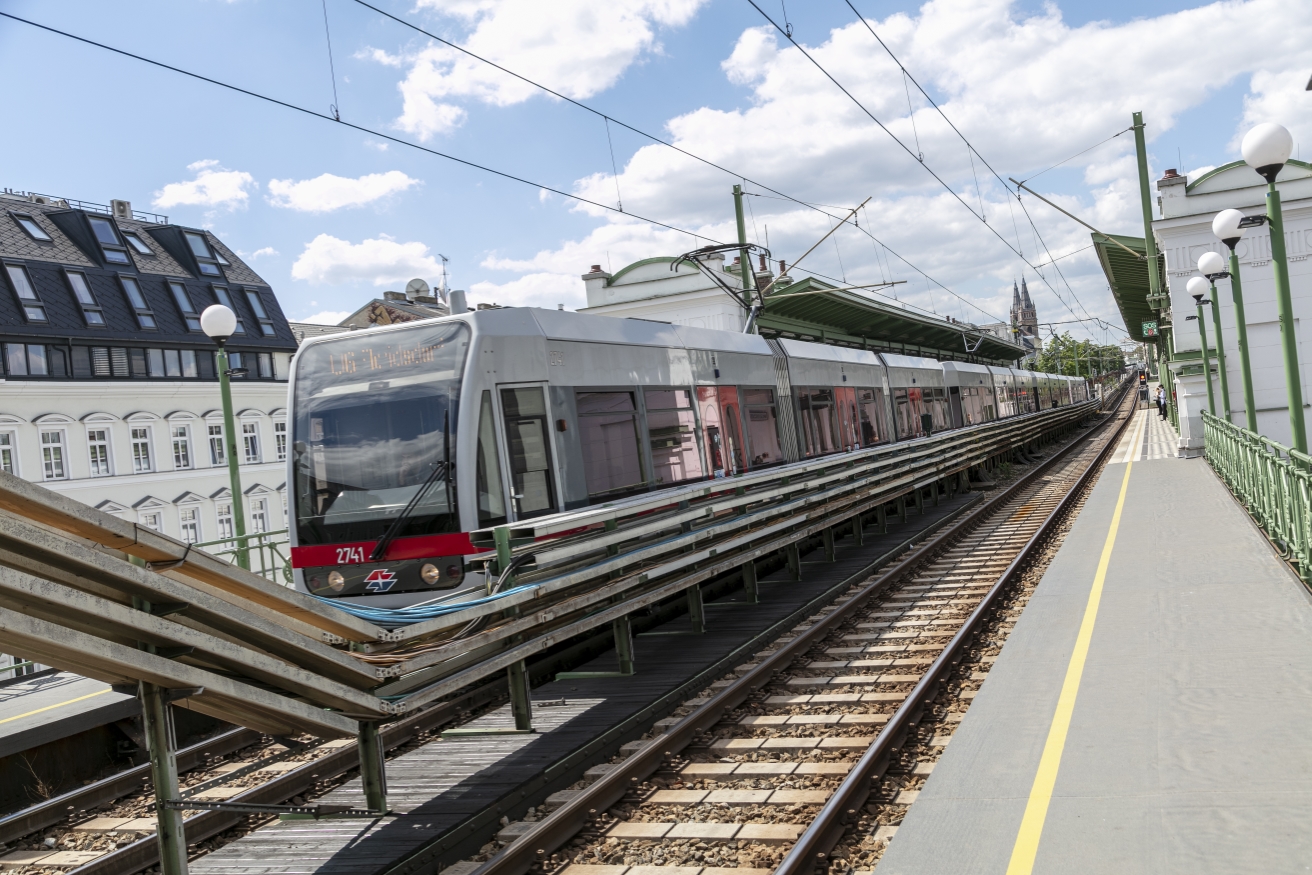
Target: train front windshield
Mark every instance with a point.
(375, 430)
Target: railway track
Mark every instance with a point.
(818, 746)
(751, 768)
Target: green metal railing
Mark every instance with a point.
(267, 552)
(1272, 481)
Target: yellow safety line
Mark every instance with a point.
(58, 705)
(1036, 810)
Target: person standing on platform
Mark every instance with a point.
(1161, 402)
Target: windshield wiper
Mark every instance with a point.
(439, 470)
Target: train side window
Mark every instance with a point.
(910, 406)
(491, 499)
(762, 420)
(527, 438)
(672, 429)
(819, 421)
(870, 403)
(608, 431)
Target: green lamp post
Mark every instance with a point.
(1212, 266)
(1197, 287)
(1229, 228)
(219, 323)
(1266, 148)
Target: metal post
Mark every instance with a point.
(164, 776)
(622, 630)
(1220, 356)
(373, 768)
(744, 257)
(858, 531)
(831, 552)
(881, 519)
(1207, 361)
(750, 587)
(902, 508)
(920, 500)
(696, 610)
(521, 706)
(1285, 307)
(234, 473)
(794, 560)
(1241, 329)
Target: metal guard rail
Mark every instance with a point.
(1272, 481)
(637, 553)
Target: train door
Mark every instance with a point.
(722, 429)
(528, 445)
(849, 436)
(955, 405)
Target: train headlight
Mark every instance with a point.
(335, 580)
(429, 573)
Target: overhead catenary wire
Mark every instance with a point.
(332, 71)
(361, 128)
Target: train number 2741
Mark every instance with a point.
(350, 555)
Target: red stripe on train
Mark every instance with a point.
(357, 552)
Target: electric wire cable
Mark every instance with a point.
(361, 128)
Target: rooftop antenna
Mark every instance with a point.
(442, 288)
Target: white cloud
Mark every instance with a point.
(532, 290)
(266, 251)
(379, 261)
(212, 187)
(1027, 91)
(327, 192)
(577, 47)
(326, 317)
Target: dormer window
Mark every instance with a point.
(33, 309)
(200, 247)
(110, 244)
(28, 224)
(218, 256)
(221, 294)
(131, 288)
(91, 311)
(185, 305)
(135, 241)
(266, 324)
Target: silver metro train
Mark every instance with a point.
(408, 437)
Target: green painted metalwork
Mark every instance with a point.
(230, 447)
(1207, 361)
(1241, 329)
(265, 553)
(1285, 307)
(1273, 482)
(1220, 356)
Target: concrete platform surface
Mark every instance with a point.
(1188, 746)
(48, 707)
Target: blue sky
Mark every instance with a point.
(1028, 83)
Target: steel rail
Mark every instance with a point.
(50, 812)
(144, 853)
(830, 823)
(561, 825)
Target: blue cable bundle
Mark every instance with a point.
(393, 618)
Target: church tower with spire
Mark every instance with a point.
(1023, 315)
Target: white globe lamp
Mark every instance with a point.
(1198, 289)
(1266, 148)
(218, 322)
(1211, 264)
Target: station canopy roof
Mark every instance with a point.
(1128, 278)
(813, 310)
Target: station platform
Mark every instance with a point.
(49, 707)
(1150, 712)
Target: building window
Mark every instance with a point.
(266, 324)
(52, 455)
(173, 363)
(221, 295)
(236, 369)
(259, 515)
(7, 455)
(135, 241)
(131, 288)
(189, 524)
(188, 309)
(280, 440)
(216, 445)
(26, 359)
(91, 311)
(33, 309)
(224, 513)
(181, 447)
(200, 248)
(152, 520)
(250, 436)
(265, 363)
(28, 224)
(141, 461)
(98, 444)
(110, 244)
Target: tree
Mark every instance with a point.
(1063, 354)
